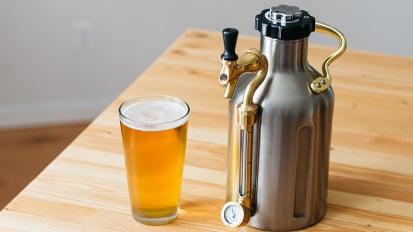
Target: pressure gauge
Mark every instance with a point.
(234, 214)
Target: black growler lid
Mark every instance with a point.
(285, 23)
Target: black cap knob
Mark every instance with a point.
(285, 23)
(230, 36)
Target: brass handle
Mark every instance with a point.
(320, 84)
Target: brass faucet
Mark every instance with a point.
(250, 61)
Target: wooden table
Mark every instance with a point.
(371, 169)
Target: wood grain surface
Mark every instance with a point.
(26, 151)
(371, 168)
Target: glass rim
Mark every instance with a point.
(136, 124)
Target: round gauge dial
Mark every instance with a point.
(232, 214)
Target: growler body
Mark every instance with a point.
(292, 143)
(279, 174)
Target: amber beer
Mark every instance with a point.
(154, 130)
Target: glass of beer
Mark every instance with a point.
(154, 130)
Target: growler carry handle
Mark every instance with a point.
(320, 84)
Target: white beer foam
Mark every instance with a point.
(155, 115)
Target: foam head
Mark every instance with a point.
(154, 114)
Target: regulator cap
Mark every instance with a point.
(285, 23)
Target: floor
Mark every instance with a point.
(25, 152)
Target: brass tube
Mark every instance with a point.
(258, 79)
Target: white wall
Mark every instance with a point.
(65, 60)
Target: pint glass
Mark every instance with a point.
(154, 130)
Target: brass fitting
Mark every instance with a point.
(251, 61)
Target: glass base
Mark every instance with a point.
(155, 221)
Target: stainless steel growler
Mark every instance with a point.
(281, 112)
